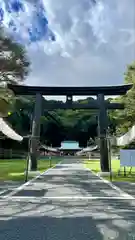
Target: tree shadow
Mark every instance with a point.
(126, 187)
(31, 192)
(70, 183)
(7, 186)
(67, 220)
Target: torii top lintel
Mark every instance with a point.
(70, 91)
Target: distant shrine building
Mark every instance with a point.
(69, 147)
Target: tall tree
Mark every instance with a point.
(123, 120)
(14, 67)
(14, 64)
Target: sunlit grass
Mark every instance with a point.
(94, 165)
(14, 169)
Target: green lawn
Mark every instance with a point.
(14, 169)
(94, 165)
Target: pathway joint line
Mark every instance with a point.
(29, 198)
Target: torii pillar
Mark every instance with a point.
(103, 126)
(35, 138)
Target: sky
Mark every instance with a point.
(91, 61)
(94, 43)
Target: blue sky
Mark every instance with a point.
(94, 43)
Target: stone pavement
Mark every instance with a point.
(67, 203)
(8, 186)
(128, 187)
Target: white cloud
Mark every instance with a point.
(94, 37)
(95, 40)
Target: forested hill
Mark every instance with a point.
(56, 125)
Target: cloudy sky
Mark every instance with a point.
(94, 43)
(95, 40)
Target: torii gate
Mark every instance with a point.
(101, 104)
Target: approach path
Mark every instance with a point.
(67, 202)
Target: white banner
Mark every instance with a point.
(126, 138)
(8, 131)
(127, 158)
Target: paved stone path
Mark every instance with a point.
(67, 203)
(128, 187)
(8, 186)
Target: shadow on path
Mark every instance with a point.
(67, 220)
(127, 187)
(72, 183)
(87, 219)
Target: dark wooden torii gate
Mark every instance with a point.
(101, 104)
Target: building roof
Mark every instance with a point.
(67, 91)
(70, 145)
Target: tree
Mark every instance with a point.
(124, 120)
(90, 142)
(14, 67)
(6, 101)
(14, 64)
(129, 99)
(78, 125)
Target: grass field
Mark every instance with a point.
(94, 165)
(14, 169)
